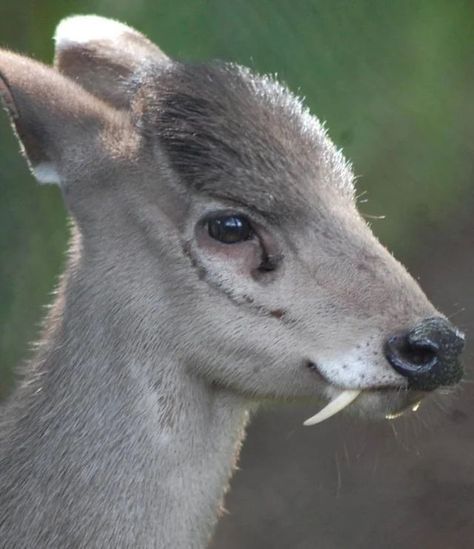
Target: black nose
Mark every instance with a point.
(428, 355)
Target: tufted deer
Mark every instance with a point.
(217, 259)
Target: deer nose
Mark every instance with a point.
(428, 355)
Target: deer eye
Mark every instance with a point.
(230, 229)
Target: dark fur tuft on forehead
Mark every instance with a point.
(241, 137)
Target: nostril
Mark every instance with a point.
(410, 356)
(419, 355)
(428, 355)
(422, 351)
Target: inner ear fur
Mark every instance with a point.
(54, 118)
(102, 55)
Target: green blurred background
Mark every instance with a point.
(394, 81)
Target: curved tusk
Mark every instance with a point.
(335, 406)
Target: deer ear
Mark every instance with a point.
(50, 115)
(102, 55)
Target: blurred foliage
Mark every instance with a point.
(393, 80)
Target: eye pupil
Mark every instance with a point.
(230, 229)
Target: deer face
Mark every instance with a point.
(255, 267)
(297, 297)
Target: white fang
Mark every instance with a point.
(335, 406)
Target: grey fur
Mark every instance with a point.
(126, 426)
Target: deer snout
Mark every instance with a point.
(428, 355)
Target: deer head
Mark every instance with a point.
(214, 211)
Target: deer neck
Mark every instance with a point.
(145, 448)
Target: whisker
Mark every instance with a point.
(457, 312)
(371, 216)
(394, 430)
(339, 476)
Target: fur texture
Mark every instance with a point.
(126, 426)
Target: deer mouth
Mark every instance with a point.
(403, 402)
(373, 402)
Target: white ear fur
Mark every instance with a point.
(82, 29)
(102, 55)
(46, 172)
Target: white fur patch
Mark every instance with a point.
(358, 369)
(46, 173)
(82, 29)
